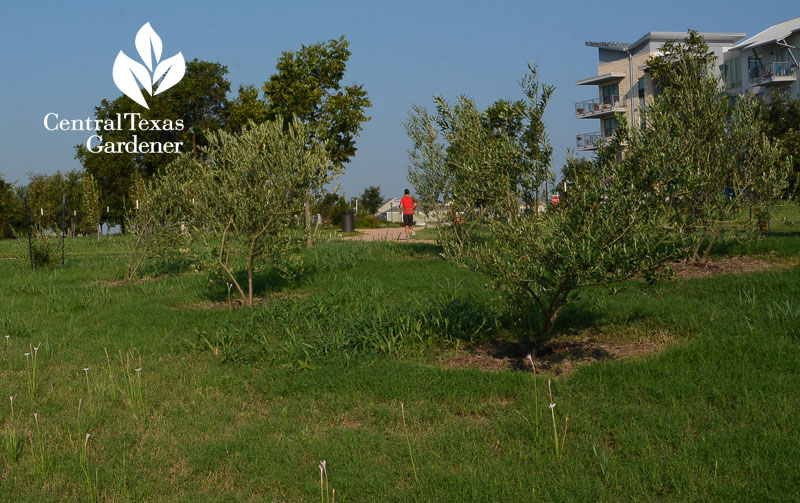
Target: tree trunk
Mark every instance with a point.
(250, 280)
(307, 210)
(710, 245)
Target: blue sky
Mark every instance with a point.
(59, 55)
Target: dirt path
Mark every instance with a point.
(386, 234)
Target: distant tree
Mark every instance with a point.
(371, 199)
(427, 173)
(11, 211)
(40, 202)
(505, 139)
(199, 100)
(308, 88)
(324, 205)
(91, 202)
(244, 108)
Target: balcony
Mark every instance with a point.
(588, 141)
(780, 72)
(599, 107)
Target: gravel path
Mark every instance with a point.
(386, 234)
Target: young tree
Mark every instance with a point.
(158, 226)
(610, 227)
(783, 125)
(91, 202)
(427, 173)
(371, 199)
(708, 142)
(308, 88)
(248, 191)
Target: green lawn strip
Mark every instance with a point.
(710, 418)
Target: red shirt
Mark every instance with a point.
(407, 203)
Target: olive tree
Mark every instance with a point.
(249, 191)
(157, 220)
(610, 226)
(708, 143)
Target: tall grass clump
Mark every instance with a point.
(38, 452)
(11, 438)
(32, 369)
(90, 478)
(131, 387)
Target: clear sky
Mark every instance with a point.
(58, 58)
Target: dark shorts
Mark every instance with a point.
(408, 220)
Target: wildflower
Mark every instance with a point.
(552, 406)
(36, 348)
(530, 359)
(36, 418)
(138, 370)
(26, 356)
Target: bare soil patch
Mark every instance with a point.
(558, 356)
(122, 282)
(236, 301)
(730, 265)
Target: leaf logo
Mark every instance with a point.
(131, 77)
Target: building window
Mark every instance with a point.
(610, 94)
(782, 56)
(640, 88)
(732, 73)
(754, 67)
(609, 126)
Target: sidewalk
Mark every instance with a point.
(386, 234)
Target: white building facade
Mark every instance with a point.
(623, 83)
(765, 64)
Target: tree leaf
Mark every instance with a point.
(147, 39)
(124, 71)
(174, 68)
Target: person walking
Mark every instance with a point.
(409, 205)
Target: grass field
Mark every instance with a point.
(187, 399)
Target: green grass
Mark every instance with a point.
(242, 405)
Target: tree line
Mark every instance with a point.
(307, 86)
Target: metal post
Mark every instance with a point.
(63, 223)
(28, 225)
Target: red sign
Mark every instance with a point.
(555, 199)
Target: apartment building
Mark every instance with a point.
(623, 83)
(765, 64)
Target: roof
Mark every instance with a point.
(772, 34)
(601, 79)
(664, 36)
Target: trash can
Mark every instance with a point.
(348, 221)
